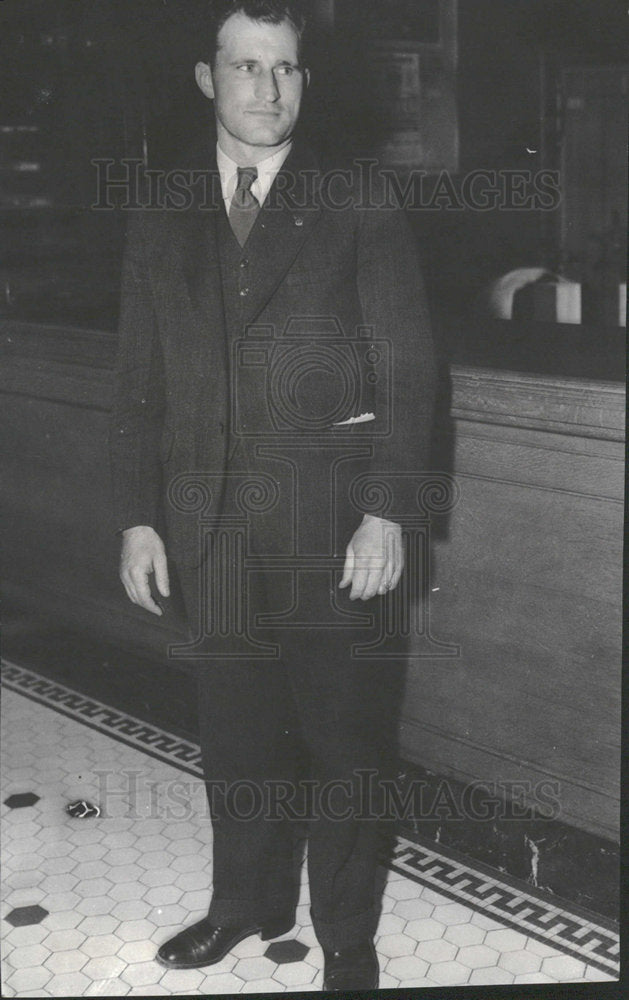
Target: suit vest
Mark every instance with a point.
(237, 274)
(238, 266)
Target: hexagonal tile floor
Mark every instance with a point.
(88, 899)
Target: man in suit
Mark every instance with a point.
(303, 262)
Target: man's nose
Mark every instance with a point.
(267, 88)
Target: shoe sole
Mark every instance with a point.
(326, 988)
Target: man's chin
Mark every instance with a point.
(266, 138)
(265, 132)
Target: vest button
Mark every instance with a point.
(244, 292)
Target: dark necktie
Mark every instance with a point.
(245, 206)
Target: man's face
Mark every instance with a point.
(257, 86)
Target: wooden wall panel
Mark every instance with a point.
(529, 584)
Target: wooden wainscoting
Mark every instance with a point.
(528, 580)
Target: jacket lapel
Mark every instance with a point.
(200, 257)
(286, 220)
(200, 260)
(200, 264)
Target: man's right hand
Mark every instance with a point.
(143, 553)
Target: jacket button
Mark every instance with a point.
(244, 262)
(244, 292)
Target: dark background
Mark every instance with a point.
(84, 79)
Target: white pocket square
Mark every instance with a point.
(364, 418)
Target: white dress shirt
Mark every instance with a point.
(267, 172)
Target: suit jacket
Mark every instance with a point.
(326, 320)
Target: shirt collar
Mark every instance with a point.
(268, 170)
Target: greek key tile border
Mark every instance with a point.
(576, 933)
(582, 936)
(119, 725)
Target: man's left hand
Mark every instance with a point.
(374, 558)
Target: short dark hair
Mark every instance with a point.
(269, 11)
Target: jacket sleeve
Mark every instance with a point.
(138, 396)
(393, 303)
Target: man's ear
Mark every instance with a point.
(203, 76)
(307, 77)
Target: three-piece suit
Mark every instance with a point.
(288, 383)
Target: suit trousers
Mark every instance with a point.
(297, 744)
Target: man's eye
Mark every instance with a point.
(247, 67)
(286, 70)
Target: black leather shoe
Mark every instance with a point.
(205, 944)
(354, 968)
